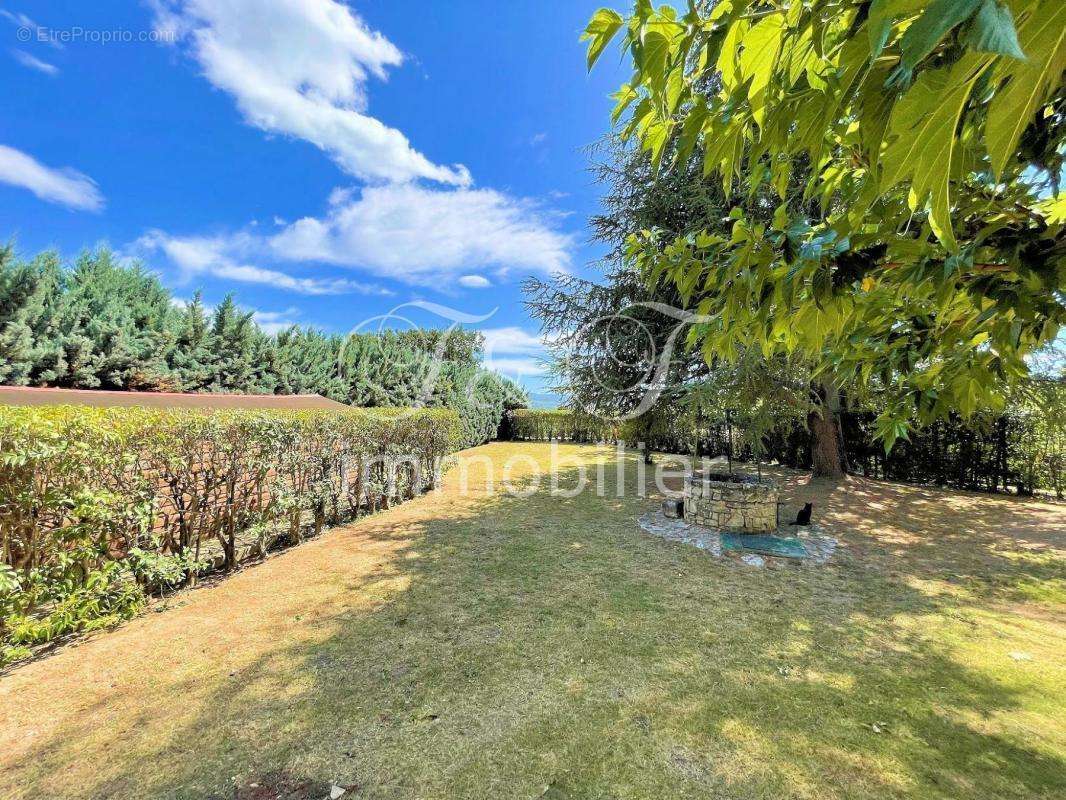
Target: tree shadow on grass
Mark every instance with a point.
(997, 546)
(543, 646)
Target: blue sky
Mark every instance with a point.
(326, 162)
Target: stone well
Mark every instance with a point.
(736, 503)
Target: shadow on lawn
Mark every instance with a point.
(543, 647)
(1000, 547)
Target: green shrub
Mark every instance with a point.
(480, 398)
(99, 505)
(1023, 448)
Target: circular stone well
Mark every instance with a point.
(736, 503)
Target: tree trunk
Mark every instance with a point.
(729, 440)
(828, 456)
(1002, 446)
(294, 526)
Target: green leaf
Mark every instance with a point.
(690, 131)
(654, 139)
(640, 118)
(800, 54)
(922, 37)
(1054, 209)
(993, 31)
(599, 32)
(923, 123)
(881, 17)
(623, 97)
(758, 60)
(1042, 36)
(874, 108)
(675, 85)
(653, 59)
(727, 58)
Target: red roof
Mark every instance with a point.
(34, 396)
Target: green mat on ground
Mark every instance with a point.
(780, 546)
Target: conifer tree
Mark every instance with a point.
(237, 350)
(101, 324)
(191, 360)
(306, 363)
(28, 297)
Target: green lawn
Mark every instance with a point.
(484, 646)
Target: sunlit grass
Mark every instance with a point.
(487, 646)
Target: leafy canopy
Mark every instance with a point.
(617, 346)
(914, 146)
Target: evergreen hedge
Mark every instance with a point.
(98, 324)
(100, 506)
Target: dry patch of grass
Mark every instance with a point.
(477, 645)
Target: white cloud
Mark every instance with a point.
(65, 186)
(274, 322)
(223, 257)
(22, 21)
(404, 232)
(516, 367)
(425, 236)
(514, 352)
(340, 196)
(511, 340)
(300, 67)
(31, 62)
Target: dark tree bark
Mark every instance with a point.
(828, 456)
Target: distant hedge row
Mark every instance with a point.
(99, 506)
(535, 424)
(1023, 450)
(673, 433)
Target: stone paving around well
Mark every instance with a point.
(820, 548)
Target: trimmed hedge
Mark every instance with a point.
(1023, 449)
(480, 398)
(100, 506)
(666, 432)
(535, 424)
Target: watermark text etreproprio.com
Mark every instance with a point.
(79, 35)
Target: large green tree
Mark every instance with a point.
(922, 252)
(306, 363)
(619, 346)
(240, 352)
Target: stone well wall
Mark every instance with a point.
(731, 504)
